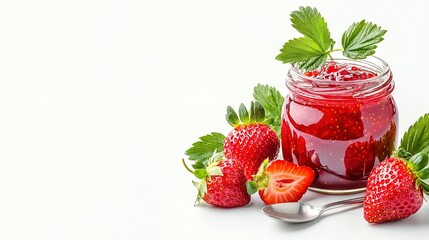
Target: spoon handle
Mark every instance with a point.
(343, 203)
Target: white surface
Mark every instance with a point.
(99, 100)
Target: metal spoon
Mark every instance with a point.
(297, 212)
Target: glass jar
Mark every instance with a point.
(341, 129)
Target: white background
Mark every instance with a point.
(100, 99)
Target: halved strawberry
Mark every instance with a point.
(281, 181)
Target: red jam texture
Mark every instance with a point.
(340, 72)
(340, 140)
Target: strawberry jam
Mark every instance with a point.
(340, 120)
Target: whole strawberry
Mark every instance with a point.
(222, 183)
(395, 186)
(252, 140)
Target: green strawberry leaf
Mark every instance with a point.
(359, 41)
(424, 185)
(202, 150)
(251, 187)
(198, 165)
(200, 173)
(310, 23)
(423, 174)
(232, 117)
(260, 179)
(416, 138)
(202, 189)
(272, 101)
(402, 153)
(418, 162)
(243, 113)
(305, 52)
(312, 49)
(255, 114)
(215, 171)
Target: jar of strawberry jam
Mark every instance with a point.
(341, 120)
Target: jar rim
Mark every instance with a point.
(383, 70)
(380, 85)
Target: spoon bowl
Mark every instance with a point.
(292, 212)
(298, 212)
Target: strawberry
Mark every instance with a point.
(222, 183)
(395, 186)
(252, 140)
(359, 159)
(281, 181)
(391, 192)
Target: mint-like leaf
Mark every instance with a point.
(311, 24)
(272, 101)
(202, 150)
(359, 41)
(416, 138)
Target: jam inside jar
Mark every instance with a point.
(340, 123)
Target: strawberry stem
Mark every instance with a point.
(186, 166)
(333, 50)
